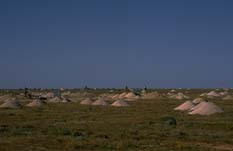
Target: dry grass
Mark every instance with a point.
(70, 126)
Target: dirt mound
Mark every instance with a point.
(213, 94)
(50, 95)
(207, 108)
(203, 94)
(36, 103)
(151, 95)
(54, 100)
(122, 95)
(179, 96)
(65, 100)
(116, 96)
(131, 95)
(100, 102)
(4, 98)
(228, 97)
(198, 100)
(223, 93)
(106, 96)
(66, 93)
(87, 101)
(120, 103)
(198, 105)
(187, 105)
(173, 91)
(128, 96)
(14, 103)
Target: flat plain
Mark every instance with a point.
(143, 126)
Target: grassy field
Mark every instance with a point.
(141, 127)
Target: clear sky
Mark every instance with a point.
(113, 43)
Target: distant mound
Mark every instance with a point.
(87, 101)
(187, 105)
(11, 104)
(178, 96)
(100, 102)
(122, 95)
(4, 98)
(129, 96)
(36, 103)
(198, 100)
(207, 108)
(228, 97)
(120, 103)
(151, 95)
(198, 105)
(213, 94)
(54, 100)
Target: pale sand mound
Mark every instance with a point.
(169, 94)
(87, 101)
(198, 100)
(50, 95)
(228, 97)
(185, 106)
(64, 94)
(173, 91)
(198, 105)
(223, 93)
(207, 108)
(179, 96)
(116, 96)
(100, 102)
(36, 103)
(203, 94)
(106, 96)
(65, 100)
(182, 95)
(122, 95)
(151, 95)
(213, 93)
(120, 103)
(130, 95)
(54, 100)
(11, 104)
(3, 98)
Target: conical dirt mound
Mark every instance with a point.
(54, 100)
(64, 100)
(122, 95)
(187, 105)
(120, 103)
(213, 94)
(198, 105)
(36, 103)
(198, 100)
(4, 98)
(86, 102)
(11, 104)
(100, 102)
(207, 108)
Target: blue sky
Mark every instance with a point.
(113, 43)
